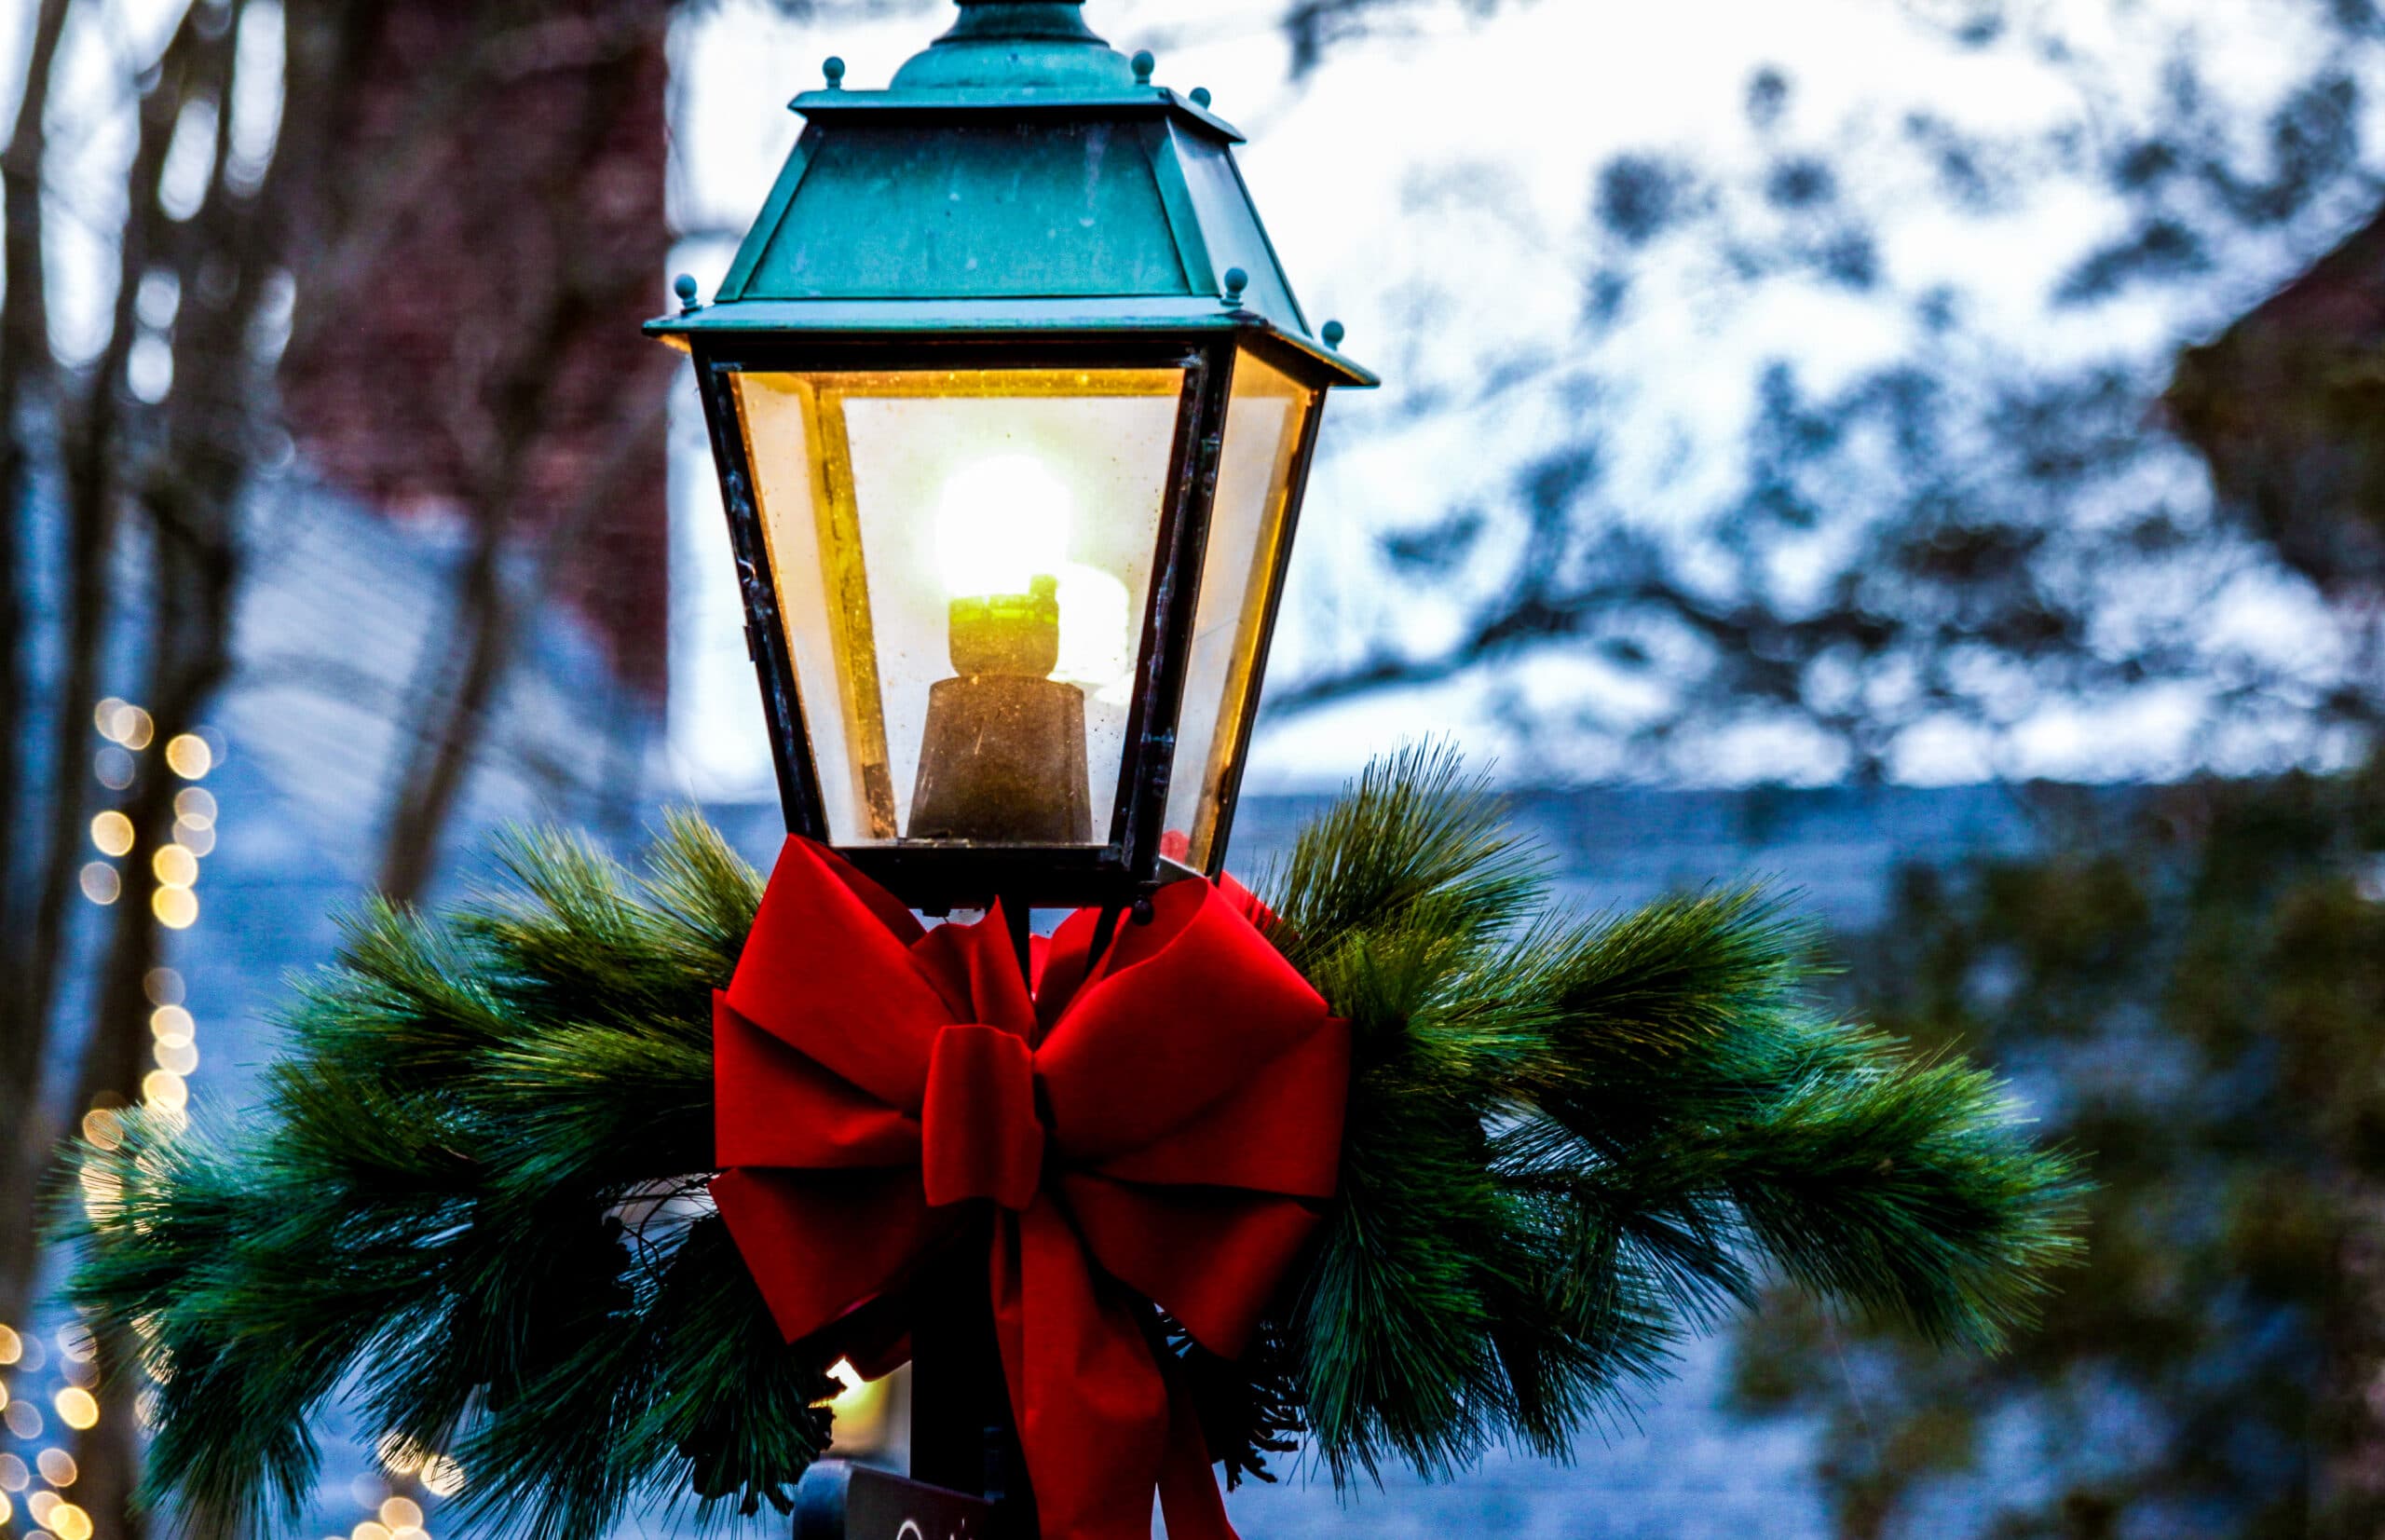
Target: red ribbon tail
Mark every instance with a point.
(1188, 1497)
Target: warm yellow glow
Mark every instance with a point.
(58, 1468)
(13, 1347)
(176, 908)
(41, 1504)
(402, 1513)
(442, 1477)
(164, 1088)
(3, 1396)
(196, 807)
(8, 1510)
(175, 866)
(188, 756)
(369, 1530)
(103, 1128)
(111, 832)
(77, 1407)
(100, 884)
(1097, 635)
(1001, 523)
(397, 1456)
(181, 1058)
(77, 1343)
(171, 1024)
(68, 1522)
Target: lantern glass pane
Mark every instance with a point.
(1266, 423)
(964, 562)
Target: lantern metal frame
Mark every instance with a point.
(798, 298)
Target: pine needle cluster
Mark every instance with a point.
(471, 1201)
(1570, 1143)
(469, 1205)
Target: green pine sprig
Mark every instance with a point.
(472, 1202)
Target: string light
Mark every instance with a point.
(111, 832)
(188, 757)
(67, 1521)
(77, 1407)
(402, 1513)
(23, 1419)
(194, 807)
(120, 722)
(58, 1468)
(176, 908)
(113, 767)
(103, 1128)
(163, 985)
(13, 1347)
(164, 1088)
(171, 1024)
(100, 884)
(14, 1474)
(174, 866)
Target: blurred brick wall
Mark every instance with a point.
(466, 345)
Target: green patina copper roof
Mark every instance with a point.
(1018, 173)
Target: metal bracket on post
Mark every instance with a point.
(839, 1501)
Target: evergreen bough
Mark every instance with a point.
(471, 1201)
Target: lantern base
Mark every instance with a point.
(1002, 762)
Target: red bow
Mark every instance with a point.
(1159, 1125)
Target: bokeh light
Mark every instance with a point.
(174, 866)
(188, 757)
(77, 1407)
(100, 884)
(111, 832)
(176, 908)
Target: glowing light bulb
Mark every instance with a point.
(1001, 523)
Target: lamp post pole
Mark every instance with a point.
(1013, 409)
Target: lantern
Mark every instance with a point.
(1013, 410)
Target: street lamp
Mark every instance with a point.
(1013, 410)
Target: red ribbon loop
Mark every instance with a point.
(1168, 1139)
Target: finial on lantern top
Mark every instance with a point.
(1334, 333)
(834, 68)
(1145, 63)
(685, 287)
(1200, 96)
(1237, 281)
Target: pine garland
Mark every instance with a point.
(472, 1198)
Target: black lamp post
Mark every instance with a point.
(1013, 410)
